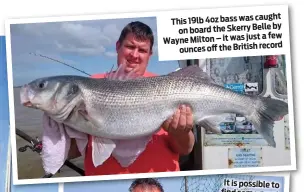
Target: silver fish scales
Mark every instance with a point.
(133, 109)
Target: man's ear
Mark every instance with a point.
(117, 45)
(151, 51)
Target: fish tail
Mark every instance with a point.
(268, 111)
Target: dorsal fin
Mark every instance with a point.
(192, 71)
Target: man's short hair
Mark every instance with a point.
(148, 182)
(141, 31)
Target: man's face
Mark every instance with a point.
(134, 53)
(146, 189)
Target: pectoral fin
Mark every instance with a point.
(127, 151)
(101, 150)
(124, 151)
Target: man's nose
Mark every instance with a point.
(135, 53)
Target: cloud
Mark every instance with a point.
(111, 30)
(79, 43)
(111, 54)
(83, 50)
(84, 38)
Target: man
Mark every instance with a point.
(146, 185)
(134, 49)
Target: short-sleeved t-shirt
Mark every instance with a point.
(157, 157)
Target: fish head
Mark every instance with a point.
(54, 95)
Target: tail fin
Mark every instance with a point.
(267, 112)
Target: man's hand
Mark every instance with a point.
(180, 123)
(179, 127)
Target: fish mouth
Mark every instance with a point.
(27, 104)
(25, 96)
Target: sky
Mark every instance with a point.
(86, 45)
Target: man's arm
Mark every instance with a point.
(179, 127)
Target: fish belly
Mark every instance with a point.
(127, 122)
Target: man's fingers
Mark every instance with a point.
(182, 120)
(166, 124)
(183, 117)
(175, 119)
(189, 118)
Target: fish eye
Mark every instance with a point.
(42, 84)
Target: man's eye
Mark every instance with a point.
(143, 51)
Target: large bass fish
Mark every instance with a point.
(123, 112)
